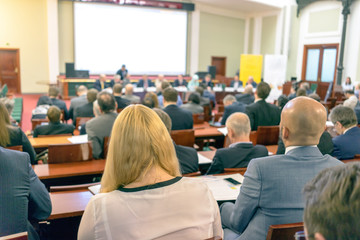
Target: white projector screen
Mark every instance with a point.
(146, 40)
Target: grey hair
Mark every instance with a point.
(344, 115)
(229, 98)
(239, 123)
(9, 104)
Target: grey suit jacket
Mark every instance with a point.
(76, 102)
(132, 98)
(192, 107)
(272, 192)
(22, 195)
(97, 129)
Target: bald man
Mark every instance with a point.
(129, 94)
(271, 192)
(241, 149)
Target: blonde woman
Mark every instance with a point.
(143, 195)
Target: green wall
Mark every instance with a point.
(293, 44)
(324, 21)
(221, 37)
(268, 35)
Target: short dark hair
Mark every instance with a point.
(165, 85)
(344, 115)
(332, 203)
(301, 92)
(350, 92)
(315, 96)
(194, 97)
(148, 102)
(117, 88)
(106, 102)
(263, 90)
(54, 91)
(54, 114)
(91, 95)
(282, 101)
(170, 94)
(200, 90)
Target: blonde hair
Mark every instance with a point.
(139, 141)
(4, 126)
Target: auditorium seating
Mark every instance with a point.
(284, 231)
(59, 153)
(267, 135)
(17, 236)
(16, 148)
(183, 137)
(198, 118)
(81, 120)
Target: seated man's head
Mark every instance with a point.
(117, 78)
(149, 102)
(238, 125)
(305, 85)
(343, 118)
(161, 77)
(332, 209)
(262, 91)
(282, 101)
(9, 104)
(207, 77)
(92, 95)
(180, 77)
(170, 96)
(106, 102)
(54, 92)
(164, 85)
(194, 98)
(228, 100)
(302, 122)
(315, 96)
(236, 77)
(250, 80)
(129, 89)
(200, 90)
(117, 89)
(248, 89)
(54, 114)
(165, 118)
(145, 77)
(102, 77)
(349, 93)
(81, 90)
(301, 92)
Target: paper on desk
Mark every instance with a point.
(329, 124)
(217, 89)
(203, 159)
(95, 189)
(229, 89)
(79, 139)
(138, 89)
(223, 130)
(181, 89)
(151, 89)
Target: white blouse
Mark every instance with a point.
(180, 208)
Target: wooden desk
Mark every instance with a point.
(211, 154)
(45, 141)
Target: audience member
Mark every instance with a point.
(154, 98)
(193, 83)
(180, 81)
(208, 82)
(13, 136)
(236, 83)
(231, 106)
(271, 191)
(262, 113)
(122, 72)
(53, 100)
(145, 82)
(102, 83)
(86, 110)
(129, 94)
(180, 118)
(247, 97)
(160, 96)
(9, 104)
(332, 209)
(142, 171)
(315, 96)
(81, 99)
(351, 100)
(126, 80)
(208, 94)
(251, 82)
(194, 104)
(241, 150)
(204, 101)
(347, 144)
(301, 92)
(22, 195)
(117, 79)
(187, 156)
(100, 127)
(121, 102)
(148, 102)
(282, 101)
(159, 81)
(347, 85)
(307, 88)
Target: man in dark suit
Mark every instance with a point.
(86, 110)
(203, 100)
(236, 83)
(247, 97)
(22, 195)
(145, 82)
(102, 83)
(180, 118)
(241, 150)
(53, 100)
(262, 113)
(121, 102)
(347, 144)
(231, 106)
(180, 81)
(187, 156)
(55, 126)
(81, 99)
(208, 82)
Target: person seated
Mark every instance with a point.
(236, 83)
(142, 171)
(193, 83)
(203, 100)
(86, 110)
(187, 156)
(351, 100)
(180, 81)
(154, 98)
(231, 106)
(241, 149)
(271, 190)
(260, 112)
(126, 80)
(101, 83)
(9, 104)
(117, 92)
(347, 85)
(14, 136)
(194, 104)
(180, 118)
(145, 82)
(122, 72)
(301, 92)
(159, 81)
(208, 94)
(148, 101)
(247, 97)
(100, 127)
(207, 81)
(129, 94)
(282, 101)
(251, 82)
(332, 209)
(347, 144)
(160, 96)
(306, 86)
(23, 197)
(80, 100)
(54, 127)
(117, 79)
(53, 100)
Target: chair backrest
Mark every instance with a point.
(60, 153)
(106, 145)
(72, 187)
(16, 148)
(235, 170)
(221, 108)
(81, 120)
(119, 110)
(193, 174)
(36, 122)
(183, 137)
(198, 118)
(284, 231)
(17, 236)
(207, 113)
(267, 135)
(217, 116)
(253, 137)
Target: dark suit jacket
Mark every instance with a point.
(208, 84)
(177, 83)
(325, 144)
(233, 108)
(141, 83)
(122, 73)
(180, 118)
(107, 84)
(238, 156)
(233, 82)
(22, 195)
(347, 144)
(85, 110)
(53, 129)
(122, 102)
(188, 159)
(45, 100)
(262, 113)
(245, 98)
(17, 138)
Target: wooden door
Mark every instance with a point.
(10, 69)
(220, 64)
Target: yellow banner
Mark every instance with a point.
(250, 65)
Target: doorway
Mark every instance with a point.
(220, 64)
(10, 69)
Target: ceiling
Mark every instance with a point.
(245, 6)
